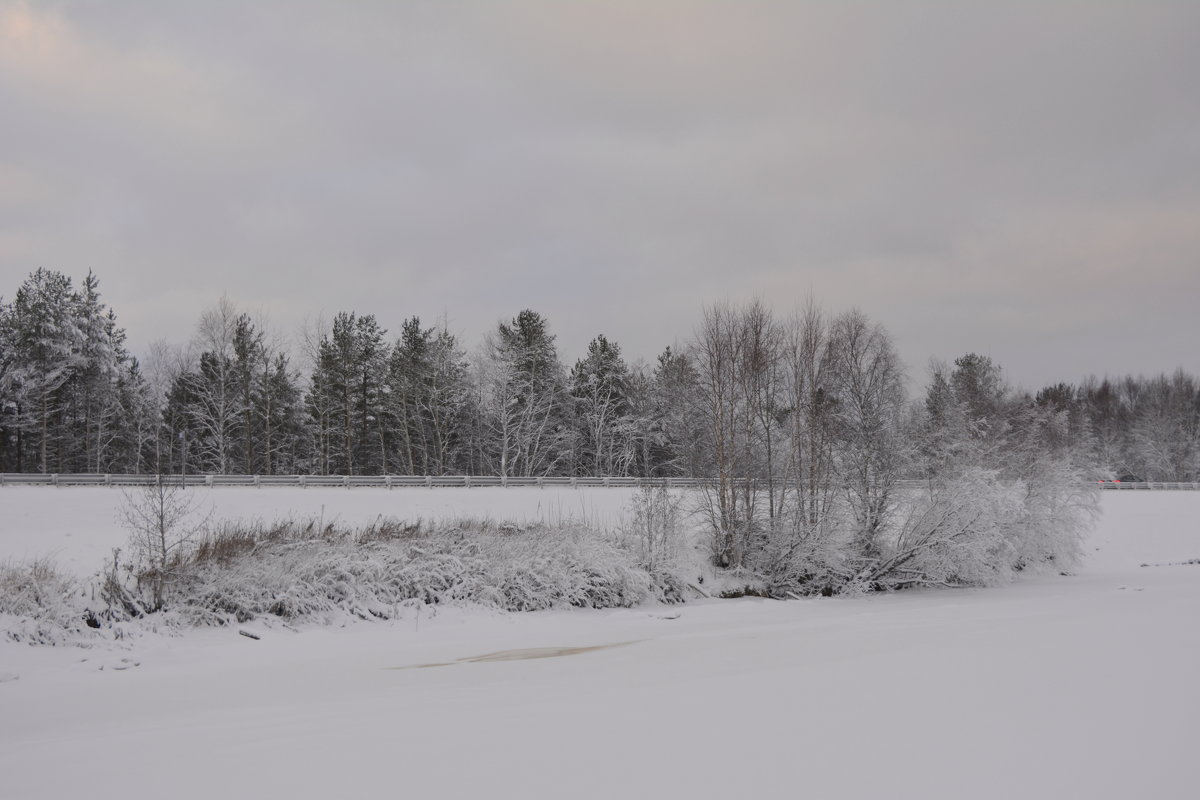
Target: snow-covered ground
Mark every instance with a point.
(1079, 686)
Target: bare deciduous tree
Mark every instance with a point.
(872, 451)
(655, 526)
(737, 357)
(163, 518)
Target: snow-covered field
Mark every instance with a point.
(1082, 686)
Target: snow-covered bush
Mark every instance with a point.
(958, 532)
(979, 529)
(297, 570)
(40, 604)
(301, 570)
(653, 526)
(805, 555)
(655, 533)
(1060, 506)
(975, 527)
(1007, 489)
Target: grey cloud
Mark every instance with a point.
(1017, 178)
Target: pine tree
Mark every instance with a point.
(247, 356)
(677, 438)
(346, 396)
(600, 387)
(426, 393)
(10, 430)
(522, 400)
(284, 442)
(409, 372)
(47, 352)
(98, 387)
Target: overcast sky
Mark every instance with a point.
(1020, 179)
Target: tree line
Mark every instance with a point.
(751, 394)
(800, 426)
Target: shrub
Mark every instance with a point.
(294, 570)
(43, 603)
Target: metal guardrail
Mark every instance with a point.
(438, 481)
(346, 481)
(1121, 485)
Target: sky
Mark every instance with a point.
(1017, 179)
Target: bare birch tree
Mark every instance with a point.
(163, 518)
(872, 450)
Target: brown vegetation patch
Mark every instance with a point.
(523, 654)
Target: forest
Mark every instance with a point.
(800, 426)
(751, 394)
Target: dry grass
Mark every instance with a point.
(43, 604)
(304, 569)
